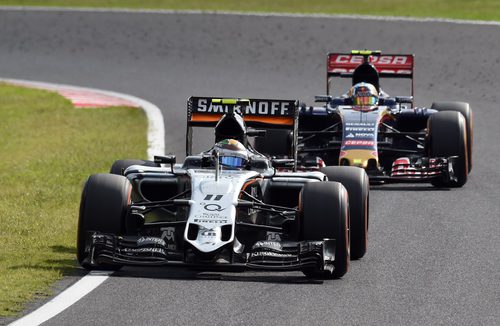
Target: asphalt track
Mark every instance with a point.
(434, 255)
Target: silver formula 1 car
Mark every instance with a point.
(229, 207)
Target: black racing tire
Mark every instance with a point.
(275, 143)
(447, 136)
(121, 165)
(466, 111)
(103, 207)
(356, 181)
(324, 214)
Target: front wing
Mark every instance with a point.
(424, 169)
(111, 249)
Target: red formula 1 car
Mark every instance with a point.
(388, 136)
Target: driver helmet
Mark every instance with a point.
(363, 94)
(232, 153)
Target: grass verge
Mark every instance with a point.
(47, 150)
(458, 9)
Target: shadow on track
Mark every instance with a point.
(180, 273)
(411, 187)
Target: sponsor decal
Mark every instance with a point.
(168, 234)
(278, 108)
(273, 236)
(394, 64)
(359, 143)
(383, 59)
(364, 135)
(271, 254)
(209, 236)
(151, 241)
(211, 218)
(360, 128)
(215, 197)
(351, 135)
(356, 124)
(268, 245)
(209, 215)
(148, 250)
(213, 207)
(201, 220)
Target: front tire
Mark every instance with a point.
(465, 110)
(324, 214)
(103, 207)
(357, 184)
(447, 136)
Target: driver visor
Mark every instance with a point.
(232, 161)
(365, 100)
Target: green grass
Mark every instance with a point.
(459, 9)
(47, 150)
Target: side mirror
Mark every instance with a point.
(323, 98)
(404, 99)
(283, 163)
(166, 159)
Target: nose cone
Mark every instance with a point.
(358, 157)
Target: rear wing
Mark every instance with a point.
(257, 113)
(387, 65)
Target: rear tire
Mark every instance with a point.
(324, 211)
(103, 207)
(466, 111)
(121, 165)
(447, 136)
(356, 182)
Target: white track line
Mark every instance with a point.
(65, 299)
(249, 13)
(156, 128)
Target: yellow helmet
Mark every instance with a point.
(363, 94)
